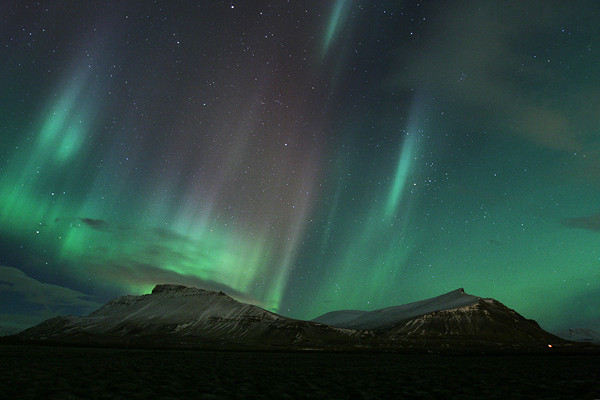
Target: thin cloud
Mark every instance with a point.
(477, 57)
(590, 222)
(41, 300)
(97, 224)
(15, 281)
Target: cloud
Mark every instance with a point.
(15, 281)
(590, 222)
(168, 234)
(132, 276)
(29, 301)
(131, 260)
(587, 304)
(506, 61)
(97, 224)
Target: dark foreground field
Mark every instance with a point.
(96, 373)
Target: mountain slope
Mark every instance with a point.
(487, 320)
(179, 314)
(452, 319)
(391, 316)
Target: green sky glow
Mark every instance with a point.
(306, 157)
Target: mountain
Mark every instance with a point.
(580, 335)
(179, 315)
(391, 316)
(453, 319)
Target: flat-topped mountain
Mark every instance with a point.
(174, 314)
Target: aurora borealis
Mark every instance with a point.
(303, 156)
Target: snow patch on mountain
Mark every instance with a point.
(183, 316)
(177, 313)
(388, 317)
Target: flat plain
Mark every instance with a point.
(52, 372)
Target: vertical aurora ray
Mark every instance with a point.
(57, 132)
(304, 157)
(37, 175)
(403, 169)
(295, 233)
(128, 229)
(106, 230)
(366, 254)
(341, 165)
(336, 19)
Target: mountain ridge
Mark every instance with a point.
(180, 316)
(389, 316)
(175, 314)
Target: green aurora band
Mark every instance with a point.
(358, 175)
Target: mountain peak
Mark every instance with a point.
(168, 287)
(186, 291)
(459, 291)
(390, 316)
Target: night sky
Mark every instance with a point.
(304, 156)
